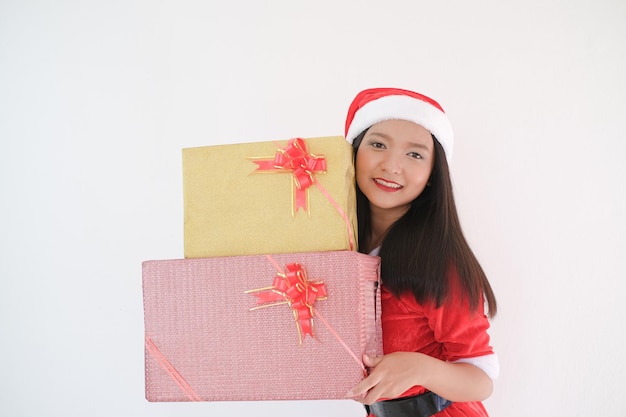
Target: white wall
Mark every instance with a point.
(97, 99)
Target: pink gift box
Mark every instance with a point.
(237, 328)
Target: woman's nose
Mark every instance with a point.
(392, 164)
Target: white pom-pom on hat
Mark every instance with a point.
(376, 105)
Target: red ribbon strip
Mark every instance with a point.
(293, 288)
(154, 351)
(296, 159)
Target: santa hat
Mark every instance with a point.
(379, 104)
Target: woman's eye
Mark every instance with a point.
(377, 145)
(415, 155)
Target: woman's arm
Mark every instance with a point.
(392, 374)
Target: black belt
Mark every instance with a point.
(423, 405)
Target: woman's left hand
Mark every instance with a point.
(393, 374)
(389, 376)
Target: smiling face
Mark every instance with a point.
(393, 165)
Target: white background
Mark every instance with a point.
(97, 99)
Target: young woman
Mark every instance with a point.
(437, 354)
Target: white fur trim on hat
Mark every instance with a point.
(403, 107)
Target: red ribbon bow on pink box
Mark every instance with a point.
(292, 287)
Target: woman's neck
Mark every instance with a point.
(381, 221)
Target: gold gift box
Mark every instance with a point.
(238, 201)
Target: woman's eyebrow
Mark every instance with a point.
(417, 145)
(381, 134)
(390, 138)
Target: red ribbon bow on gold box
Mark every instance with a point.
(296, 159)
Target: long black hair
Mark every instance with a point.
(419, 249)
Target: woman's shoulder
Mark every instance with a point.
(455, 303)
(404, 302)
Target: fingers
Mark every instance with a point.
(370, 362)
(373, 395)
(361, 388)
(366, 388)
(389, 376)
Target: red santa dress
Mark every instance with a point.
(451, 332)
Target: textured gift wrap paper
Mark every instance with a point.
(205, 341)
(238, 201)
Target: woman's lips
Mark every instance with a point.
(386, 185)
